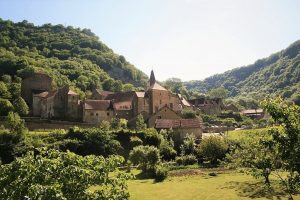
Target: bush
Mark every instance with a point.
(167, 151)
(151, 137)
(147, 157)
(186, 160)
(161, 173)
(213, 148)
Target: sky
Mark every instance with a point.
(187, 39)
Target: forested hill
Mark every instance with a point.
(277, 74)
(70, 55)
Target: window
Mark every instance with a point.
(92, 114)
(160, 101)
(96, 114)
(73, 97)
(107, 113)
(158, 117)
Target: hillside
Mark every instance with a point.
(69, 55)
(278, 74)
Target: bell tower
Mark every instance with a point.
(152, 78)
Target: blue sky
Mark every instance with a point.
(188, 39)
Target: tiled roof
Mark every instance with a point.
(45, 94)
(97, 105)
(183, 100)
(156, 86)
(121, 100)
(178, 123)
(167, 123)
(104, 92)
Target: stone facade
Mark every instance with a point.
(209, 106)
(163, 113)
(96, 111)
(35, 84)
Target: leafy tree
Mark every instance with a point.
(4, 93)
(174, 84)
(189, 145)
(20, 106)
(255, 156)
(128, 87)
(51, 174)
(188, 114)
(146, 157)
(5, 106)
(140, 123)
(213, 148)
(219, 92)
(287, 137)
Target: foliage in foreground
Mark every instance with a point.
(50, 174)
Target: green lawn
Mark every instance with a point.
(227, 186)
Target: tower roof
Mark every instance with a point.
(152, 78)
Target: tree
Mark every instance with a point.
(287, 137)
(219, 92)
(174, 84)
(16, 125)
(255, 156)
(20, 106)
(140, 123)
(213, 148)
(146, 157)
(128, 87)
(188, 114)
(189, 144)
(4, 93)
(51, 174)
(5, 106)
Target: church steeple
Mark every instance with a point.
(152, 78)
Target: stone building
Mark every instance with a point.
(60, 104)
(96, 111)
(155, 103)
(35, 84)
(208, 106)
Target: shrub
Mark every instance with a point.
(151, 137)
(161, 173)
(213, 148)
(167, 150)
(186, 160)
(135, 141)
(146, 157)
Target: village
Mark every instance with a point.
(160, 108)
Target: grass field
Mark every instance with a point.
(227, 186)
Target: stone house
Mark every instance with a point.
(208, 106)
(96, 111)
(163, 113)
(35, 84)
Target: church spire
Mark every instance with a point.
(152, 78)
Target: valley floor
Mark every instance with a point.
(227, 186)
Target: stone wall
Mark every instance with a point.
(164, 113)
